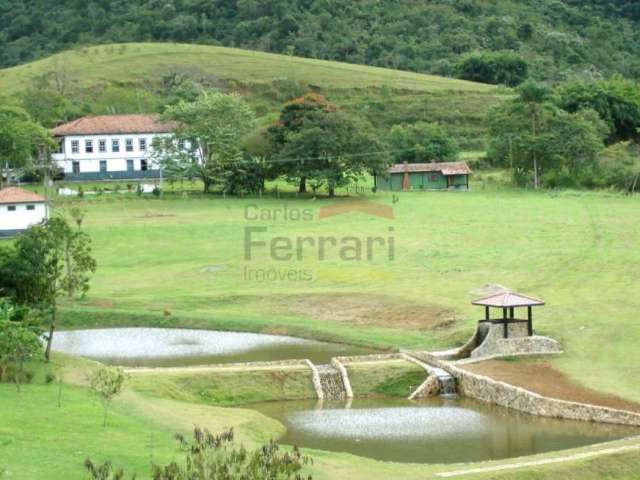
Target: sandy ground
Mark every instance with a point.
(541, 377)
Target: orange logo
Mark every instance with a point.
(362, 206)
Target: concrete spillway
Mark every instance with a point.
(331, 382)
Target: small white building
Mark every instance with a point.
(110, 147)
(20, 209)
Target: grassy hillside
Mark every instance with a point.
(128, 78)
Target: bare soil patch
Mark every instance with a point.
(100, 302)
(364, 309)
(541, 377)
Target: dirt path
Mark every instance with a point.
(541, 377)
(537, 463)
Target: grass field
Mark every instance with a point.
(186, 255)
(127, 78)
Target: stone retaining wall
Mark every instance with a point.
(489, 390)
(370, 358)
(216, 366)
(317, 385)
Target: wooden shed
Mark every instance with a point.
(424, 176)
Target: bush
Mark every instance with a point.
(216, 457)
(10, 373)
(506, 68)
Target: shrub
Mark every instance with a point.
(216, 457)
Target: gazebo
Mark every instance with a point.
(508, 302)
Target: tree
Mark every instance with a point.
(21, 140)
(331, 148)
(107, 383)
(17, 343)
(51, 259)
(421, 143)
(533, 137)
(215, 125)
(533, 96)
(506, 68)
(47, 99)
(291, 119)
(616, 100)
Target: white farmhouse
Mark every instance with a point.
(110, 147)
(20, 209)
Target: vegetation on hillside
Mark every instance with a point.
(142, 78)
(557, 39)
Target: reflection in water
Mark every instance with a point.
(431, 431)
(165, 347)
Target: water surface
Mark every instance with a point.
(431, 431)
(166, 347)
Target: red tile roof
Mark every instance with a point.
(447, 168)
(108, 124)
(508, 299)
(18, 195)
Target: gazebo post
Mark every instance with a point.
(505, 325)
(529, 321)
(511, 313)
(486, 313)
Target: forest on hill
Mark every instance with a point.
(545, 39)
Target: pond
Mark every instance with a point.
(169, 347)
(439, 430)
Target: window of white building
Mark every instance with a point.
(143, 144)
(128, 144)
(102, 146)
(115, 145)
(143, 165)
(11, 208)
(75, 146)
(88, 146)
(181, 144)
(31, 207)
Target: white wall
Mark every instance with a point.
(116, 161)
(21, 218)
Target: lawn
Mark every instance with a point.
(185, 256)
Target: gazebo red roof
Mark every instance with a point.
(508, 300)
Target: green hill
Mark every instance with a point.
(129, 78)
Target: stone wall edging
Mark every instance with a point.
(217, 366)
(368, 358)
(493, 391)
(317, 385)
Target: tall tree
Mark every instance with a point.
(21, 140)
(533, 96)
(52, 259)
(533, 137)
(292, 118)
(332, 148)
(215, 125)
